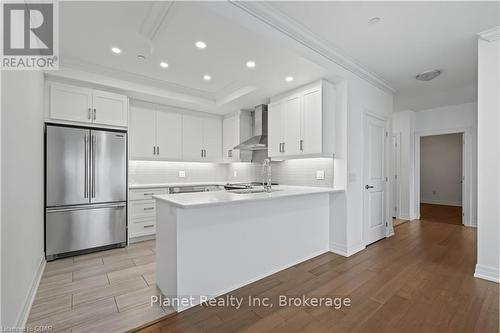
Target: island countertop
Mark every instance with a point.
(200, 199)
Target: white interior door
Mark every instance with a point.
(374, 177)
(395, 158)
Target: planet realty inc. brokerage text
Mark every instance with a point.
(251, 301)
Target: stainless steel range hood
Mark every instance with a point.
(259, 139)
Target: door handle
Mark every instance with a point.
(86, 167)
(93, 164)
(369, 186)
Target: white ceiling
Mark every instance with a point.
(89, 29)
(411, 37)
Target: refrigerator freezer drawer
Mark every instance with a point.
(84, 227)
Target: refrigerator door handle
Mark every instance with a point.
(86, 162)
(85, 207)
(92, 162)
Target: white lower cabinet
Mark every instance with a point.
(142, 211)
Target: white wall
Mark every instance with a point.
(488, 214)
(441, 169)
(447, 119)
(22, 187)
(403, 124)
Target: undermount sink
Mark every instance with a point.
(251, 190)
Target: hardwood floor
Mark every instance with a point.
(106, 291)
(420, 280)
(441, 213)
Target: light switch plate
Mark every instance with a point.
(320, 174)
(182, 174)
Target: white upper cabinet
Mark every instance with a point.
(302, 122)
(155, 135)
(275, 128)
(236, 128)
(201, 138)
(70, 103)
(192, 138)
(212, 139)
(83, 105)
(169, 135)
(110, 108)
(142, 133)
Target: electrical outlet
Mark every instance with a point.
(235, 173)
(182, 174)
(320, 174)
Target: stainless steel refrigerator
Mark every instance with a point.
(85, 190)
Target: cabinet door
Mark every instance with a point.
(311, 132)
(110, 109)
(192, 137)
(229, 139)
(291, 120)
(169, 135)
(274, 126)
(70, 103)
(212, 139)
(142, 133)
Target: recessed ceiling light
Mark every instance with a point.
(116, 50)
(207, 77)
(374, 20)
(163, 64)
(250, 64)
(428, 75)
(289, 79)
(201, 45)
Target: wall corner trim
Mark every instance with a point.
(28, 302)
(344, 251)
(487, 273)
(490, 35)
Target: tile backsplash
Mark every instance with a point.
(292, 172)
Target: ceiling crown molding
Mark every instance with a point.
(490, 35)
(268, 14)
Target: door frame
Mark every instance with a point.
(467, 201)
(396, 173)
(389, 229)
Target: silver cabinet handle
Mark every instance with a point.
(280, 147)
(95, 114)
(230, 153)
(149, 208)
(157, 150)
(92, 170)
(202, 153)
(368, 186)
(86, 166)
(90, 114)
(148, 193)
(301, 145)
(154, 150)
(149, 226)
(283, 147)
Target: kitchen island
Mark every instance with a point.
(210, 243)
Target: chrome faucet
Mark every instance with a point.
(266, 175)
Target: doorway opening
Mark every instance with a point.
(441, 178)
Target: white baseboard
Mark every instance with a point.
(441, 202)
(344, 251)
(487, 273)
(22, 319)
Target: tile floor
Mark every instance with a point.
(107, 291)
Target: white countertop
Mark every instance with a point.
(200, 199)
(161, 185)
